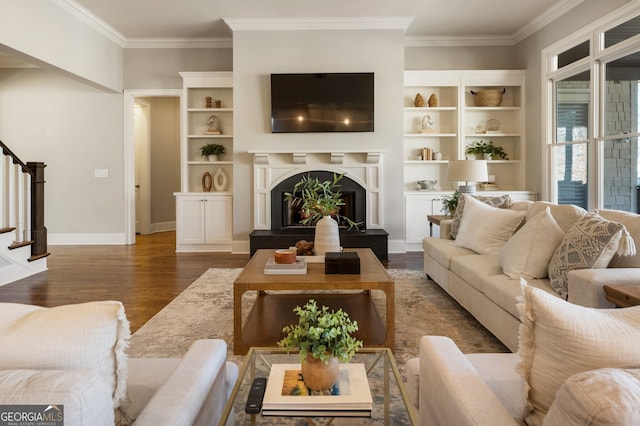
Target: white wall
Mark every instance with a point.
(42, 30)
(73, 128)
(257, 54)
(460, 58)
(159, 68)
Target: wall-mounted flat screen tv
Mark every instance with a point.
(322, 102)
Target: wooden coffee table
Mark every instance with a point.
(277, 295)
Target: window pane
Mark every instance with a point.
(574, 54)
(573, 96)
(622, 115)
(571, 174)
(622, 32)
(620, 185)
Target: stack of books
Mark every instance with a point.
(287, 395)
(297, 268)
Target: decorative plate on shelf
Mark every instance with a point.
(492, 125)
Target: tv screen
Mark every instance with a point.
(322, 102)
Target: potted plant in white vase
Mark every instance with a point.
(212, 151)
(324, 338)
(319, 202)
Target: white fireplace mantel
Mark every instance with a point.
(270, 167)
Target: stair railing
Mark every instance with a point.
(22, 202)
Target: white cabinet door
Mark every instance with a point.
(417, 207)
(218, 219)
(190, 218)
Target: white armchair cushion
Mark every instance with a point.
(559, 339)
(608, 396)
(84, 396)
(71, 337)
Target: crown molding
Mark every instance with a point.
(82, 14)
(309, 24)
(539, 22)
(544, 19)
(179, 43)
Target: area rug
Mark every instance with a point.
(205, 310)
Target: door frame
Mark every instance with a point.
(129, 99)
(143, 171)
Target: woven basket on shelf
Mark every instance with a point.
(488, 97)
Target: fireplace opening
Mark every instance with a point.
(284, 216)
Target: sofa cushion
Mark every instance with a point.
(443, 250)
(501, 201)
(529, 250)
(82, 336)
(82, 397)
(631, 221)
(589, 244)
(505, 292)
(473, 269)
(559, 339)
(607, 396)
(485, 229)
(565, 215)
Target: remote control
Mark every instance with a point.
(254, 400)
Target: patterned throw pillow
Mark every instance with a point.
(589, 244)
(501, 201)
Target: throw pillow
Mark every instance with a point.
(528, 252)
(71, 337)
(485, 229)
(559, 339)
(608, 396)
(589, 244)
(502, 201)
(631, 221)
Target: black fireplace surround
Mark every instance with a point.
(284, 216)
(286, 230)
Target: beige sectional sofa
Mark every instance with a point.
(478, 283)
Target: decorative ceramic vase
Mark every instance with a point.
(207, 181)
(317, 375)
(220, 180)
(327, 236)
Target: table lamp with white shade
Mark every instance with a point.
(467, 171)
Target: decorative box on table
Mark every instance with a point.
(345, 262)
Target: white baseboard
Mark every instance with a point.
(240, 247)
(162, 227)
(397, 246)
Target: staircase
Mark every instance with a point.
(23, 236)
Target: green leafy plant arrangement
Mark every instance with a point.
(317, 199)
(322, 333)
(481, 148)
(450, 202)
(212, 149)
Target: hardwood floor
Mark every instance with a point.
(145, 276)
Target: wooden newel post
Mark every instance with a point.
(38, 230)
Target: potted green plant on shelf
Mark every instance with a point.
(317, 199)
(450, 203)
(324, 338)
(483, 150)
(212, 151)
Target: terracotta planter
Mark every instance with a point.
(317, 375)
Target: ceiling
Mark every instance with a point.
(188, 19)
